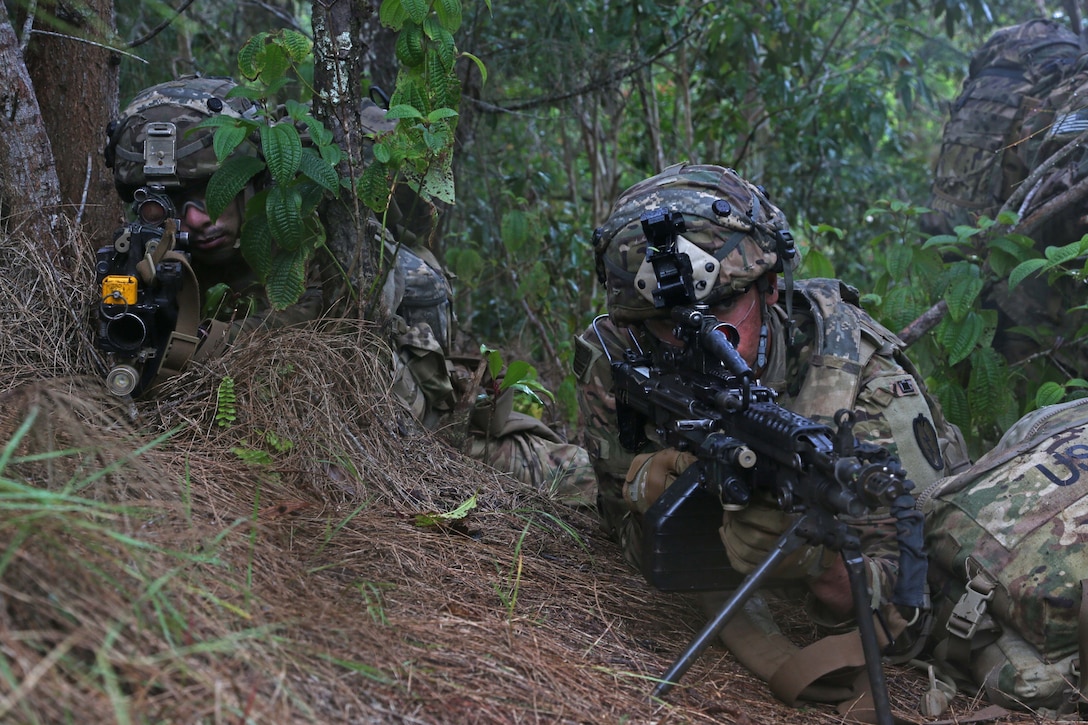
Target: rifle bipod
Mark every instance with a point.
(816, 529)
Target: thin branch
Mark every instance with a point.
(925, 322)
(86, 187)
(162, 26)
(110, 48)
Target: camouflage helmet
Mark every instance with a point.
(151, 143)
(732, 234)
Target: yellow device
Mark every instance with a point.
(118, 289)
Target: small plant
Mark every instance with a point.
(225, 411)
(520, 377)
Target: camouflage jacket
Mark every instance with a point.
(839, 358)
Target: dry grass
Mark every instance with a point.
(169, 569)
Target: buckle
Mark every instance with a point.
(971, 608)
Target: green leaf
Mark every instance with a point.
(989, 379)
(959, 337)
(439, 113)
(817, 264)
(247, 56)
(229, 180)
(392, 14)
(257, 238)
(416, 9)
(964, 288)
(479, 66)
(284, 210)
(226, 140)
(1063, 255)
(898, 261)
(282, 149)
(1024, 270)
(402, 110)
(435, 519)
(1049, 393)
(409, 46)
(287, 279)
(314, 167)
(298, 45)
(449, 14)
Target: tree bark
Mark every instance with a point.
(29, 188)
(339, 49)
(76, 85)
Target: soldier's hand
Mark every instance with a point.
(752, 533)
(650, 474)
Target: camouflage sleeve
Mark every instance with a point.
(609, 458)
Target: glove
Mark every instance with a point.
(751, 533)
(650, 474)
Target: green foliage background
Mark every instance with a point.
(836, 108)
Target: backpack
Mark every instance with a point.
(1008, 80)
(1008, 553)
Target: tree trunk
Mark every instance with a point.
(76, 85)
(29, 189)
(339, 47)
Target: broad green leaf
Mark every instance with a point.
(1024, 270)
(940, 240)
(1063, 255)
(434, 519)
(282, 151)
(272, 63)
(284, 210)
(298, 45)
(959, 337)
(287, 279)
(402, 110)
(392, 14)
(416, 9)
(247, 56)
(898, 261)
(439, 113)
(467, 264)
(409, 46)
(984, 389)
(1049, 393)
(229, 180)
(449, 14)
(257, 238)
(226, 140)
(953, 400)
(515, 231)
(314, 167)
(817, 264)
(964, 287)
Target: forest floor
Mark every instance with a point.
(287, 549)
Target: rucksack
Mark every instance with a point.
(1008, 552)
(1008, 80)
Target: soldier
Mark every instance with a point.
(808, 340)
(417, 295)
(156, 150)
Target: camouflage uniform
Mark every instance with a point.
(838, 357)
(1009, 565)
(431, 385)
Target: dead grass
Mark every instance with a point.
(169, 569)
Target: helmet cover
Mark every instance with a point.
(153, 141)
(731, 232)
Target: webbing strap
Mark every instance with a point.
(184, 339)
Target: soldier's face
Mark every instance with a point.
(210, 240)
(744, 312)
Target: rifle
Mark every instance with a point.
(704, 399)
(145, 282)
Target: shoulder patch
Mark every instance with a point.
(926, 436)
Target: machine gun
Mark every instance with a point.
(142, 278)
(704, 399)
